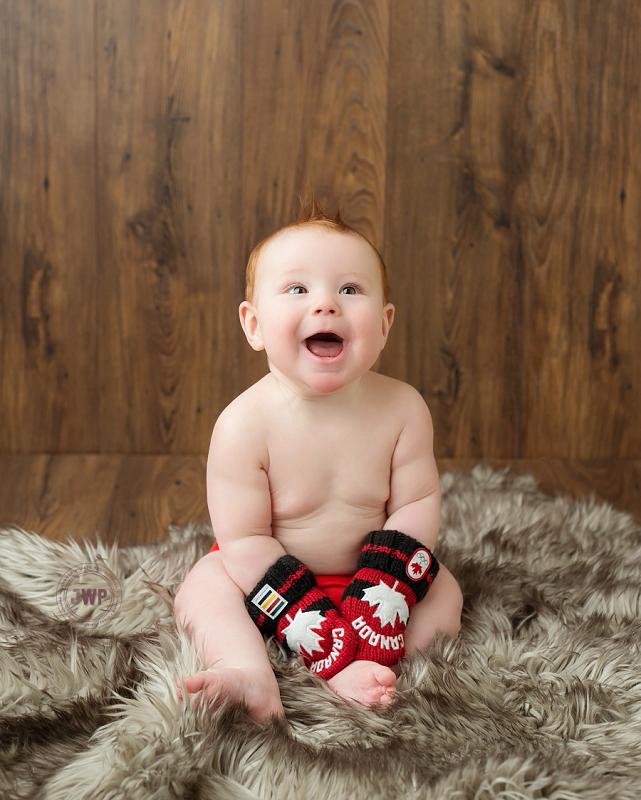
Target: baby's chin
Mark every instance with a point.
(326, 384)
(318, 384)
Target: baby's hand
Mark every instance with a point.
(255, 688)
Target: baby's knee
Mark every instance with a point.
(452, 623)
(208, 571)
(453, 604)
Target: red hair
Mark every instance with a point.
(311, 214)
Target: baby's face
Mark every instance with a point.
(318, 308)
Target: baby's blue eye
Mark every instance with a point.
(295, 289)
(349, 290)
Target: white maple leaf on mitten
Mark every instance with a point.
(301, 631)
(391, 604)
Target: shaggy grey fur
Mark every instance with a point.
(540, 696)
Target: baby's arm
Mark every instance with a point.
(414, 503)
(239, 498)
(396, 567)
(211, 603)
(414, 508)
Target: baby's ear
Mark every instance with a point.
(388, 318)
(249, 321)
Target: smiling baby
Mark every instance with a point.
(322, 488)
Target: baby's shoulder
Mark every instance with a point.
(251, 399)
(396, 393)
(400, 405)
(242, 422)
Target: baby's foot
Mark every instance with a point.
(366, 682)
(258, 690)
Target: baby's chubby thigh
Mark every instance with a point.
(438, 612)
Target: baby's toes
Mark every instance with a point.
(387, 694)
(205, 682)
(384, 676)
(194, 683)
(385, 689)
(380, 695)
(378, 684)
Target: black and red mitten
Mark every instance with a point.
(288, 604)
(394, 571)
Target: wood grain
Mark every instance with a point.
(150, 494)
(48, 339)
(57, 496)
(576, 191)
(124, 499)
(448, 241)
(169, 162)
(315, 110)
(490, 148)
(615, 482)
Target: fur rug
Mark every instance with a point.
(539, 696)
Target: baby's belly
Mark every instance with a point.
(328, 544)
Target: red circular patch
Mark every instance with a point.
(418, 564)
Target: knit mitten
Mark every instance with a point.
(288, 604)
(394, 571)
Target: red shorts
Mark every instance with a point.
(332, 585)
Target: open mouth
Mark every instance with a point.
(325, 345)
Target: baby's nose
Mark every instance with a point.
(325, 302)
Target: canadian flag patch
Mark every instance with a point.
(418, 564)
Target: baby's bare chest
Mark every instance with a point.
(332, 468)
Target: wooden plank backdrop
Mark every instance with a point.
(49, 382)
(489, 148)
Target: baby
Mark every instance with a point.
(322, 488)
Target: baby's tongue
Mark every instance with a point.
(324, 349)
